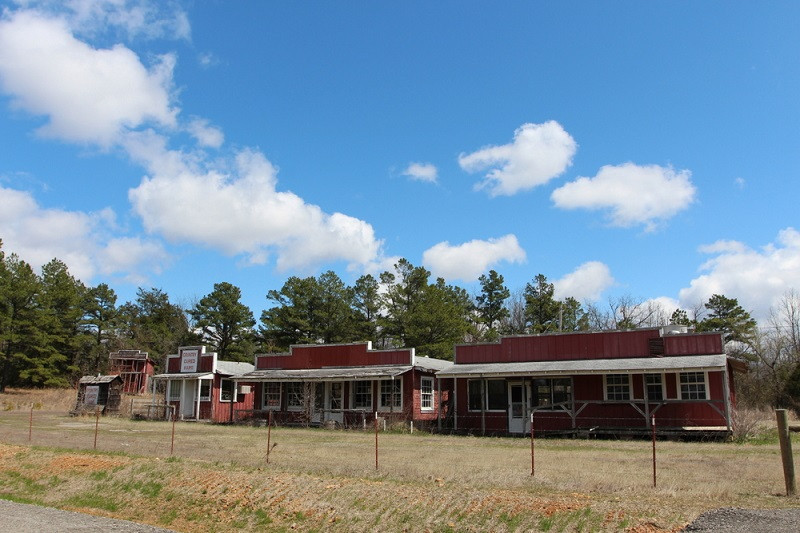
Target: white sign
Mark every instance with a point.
(91, 394)
(189, 359)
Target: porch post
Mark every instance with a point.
(438, 404)
(455, 403)
(483, 406)
(726, 391)
(197, 405)
(646, 402)
(233, 398)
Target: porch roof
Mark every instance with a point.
(326, 374)
(186, 375)
(637, 365)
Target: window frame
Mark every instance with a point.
(171, 395)
(704, 383)
(551, 385)
(397, 383)
(426, 396)
(265, 405)
(222, 391)
(206, 397)
(484, 395)
(355, 394)
(290, 395)
(662, 387)
(607, 397)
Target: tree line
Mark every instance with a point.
(53, 328)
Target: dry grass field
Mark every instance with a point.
(218, 478)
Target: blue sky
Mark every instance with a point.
(619, 148)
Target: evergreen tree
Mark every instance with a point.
(292, 320)
(100, 321)
(490, 303)
(726, 315)
(541, 309)
(153, 324)
(226, 323)
(367, 306)
(572, 316)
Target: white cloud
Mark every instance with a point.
(634, 194)
(421, 172)
(469, 260)
(205, 134)
(538, 153)
(79, 239)
(587, 282)
(88, 94)
(757, 278)
(239, 210)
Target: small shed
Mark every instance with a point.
(99, 392)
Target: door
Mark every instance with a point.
(335, 401)
(518, 421)
(188, 397)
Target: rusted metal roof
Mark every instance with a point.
(93, 380)
(634, 365)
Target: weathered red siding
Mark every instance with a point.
(320, 356)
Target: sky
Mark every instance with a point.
(623, 149)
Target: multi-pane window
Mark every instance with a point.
(655, 387)
(295, 396)
(693, 386)
(362, 395)
(426, 394)
(391, 394)
(495, 399)
(272, 396)
(205, 390)
(618, 387)
(226, 390)
(550, 392)
(175, 390)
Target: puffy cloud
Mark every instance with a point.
(587, 282)
(421, 172)
(79, 239)
(757, 278)
(634, 194)
(88, 94)
(239, 211)
(538, 153)
(205, 134)
(469, 260)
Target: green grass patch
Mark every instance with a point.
(93, 500)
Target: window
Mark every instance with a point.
(474, 392)
(205, 390)
(295, 396)
(549, 392)
(362, 395)
(426, 394)
(495, 399)
(655, 387)
(272, 396)
(391, 394)
(175, 390)
(226, 390)
(618, 387)
(693, 386)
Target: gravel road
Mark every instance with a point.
(18, 517)
(731, 520)
(23, 517)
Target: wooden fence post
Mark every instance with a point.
(786, 451)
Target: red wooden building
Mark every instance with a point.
(345, 385)
(604, 382)
(134, 367)
(200, 387)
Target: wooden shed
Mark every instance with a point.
(99, 392)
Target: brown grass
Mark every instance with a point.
(38, 399)
(322, 479)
